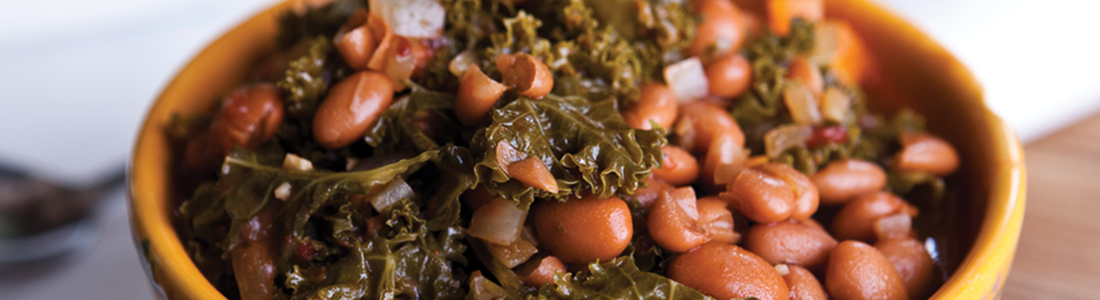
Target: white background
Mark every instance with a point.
(76, 77)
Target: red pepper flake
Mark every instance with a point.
(825, 135)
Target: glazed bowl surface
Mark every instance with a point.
(986, 209)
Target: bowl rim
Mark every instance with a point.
(164, 257)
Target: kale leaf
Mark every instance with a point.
(586, 146)
(619, 278)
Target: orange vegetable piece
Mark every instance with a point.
(781, 12)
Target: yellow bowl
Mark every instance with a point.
(916, 72)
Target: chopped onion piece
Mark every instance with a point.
(836, 105)
(514, 254)
(498, 222)
(394, 191)
(800, 102)
(283, 191)
(400, 62)
(687, 80)
(458, 65)
(825, 43)
(294, 162)
(411, 18)
(784, 137)
(783, 269)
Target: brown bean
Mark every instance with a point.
(648, 195)
(803, 284)
(673, 221)
(248, 118)
(532, 172)
(253, 258)
(351, 108)
(526, 74)
(856, 220)
(771, 193)
(803, 70)
(700, 122)
(912, 262)
(540, 272)
(721, 31)
(657, 104)
(356, 41)
(477, 93)
(717, 220)
(729, 76)
(845, 179)
(727, 271)
(926, 153)
(580, 231)
(679, 167)
(790, 242)
(859, 271)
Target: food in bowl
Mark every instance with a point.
(560, 149)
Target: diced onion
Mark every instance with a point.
(784, 137)
(498, 222)
(283, 191)
(825, 43)
(394, 191)
(400, 62)
(800, 102)
(836, 105)
(294, 162)
(411, 18)
(783, 269)
(687, 80)
(514, 254)
(460, 62)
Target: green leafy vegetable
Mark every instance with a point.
(616, 279)
(586, 146)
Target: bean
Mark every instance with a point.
(803, 70)
(771, 193)
(674, 223)
(679, 167)
(248, 118)
(351, 108)
(477, 93)
(790, 242)
(803, 284)
(656, 104)
(912, 262)
(729, 76)
(717, 220)
(533, 173)
(845, 179)
(700, 122)
(856, 220)
(356, 41)
(721, 31)
(253, 259)
(648, 195)
(540, 272)
(926, 153)
(727, 271)
(859, 271)
(526, 74)
(580, 231)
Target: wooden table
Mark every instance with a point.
(1059, 252)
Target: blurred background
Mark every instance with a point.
(77, 76)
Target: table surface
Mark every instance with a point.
(1058, 255)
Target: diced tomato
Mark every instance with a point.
(825, 135)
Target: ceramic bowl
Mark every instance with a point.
(986, 210)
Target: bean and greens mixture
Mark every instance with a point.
(558, 149)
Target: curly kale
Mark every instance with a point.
(586, 145)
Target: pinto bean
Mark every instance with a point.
(856, 220)
(541, 271)
(679, 167)
(859, 271)
(248, 118)
(843, 180)
(657, 104)
(771, 193)
(727, 271)
(729, 76)
(477, 93)
(926, 153)
(580, 231)
(912, 262)
(526, 74)
(803, 284)
(790, 242)
(721, 31)
(700, 122)
(351, 108)
(803, 70)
